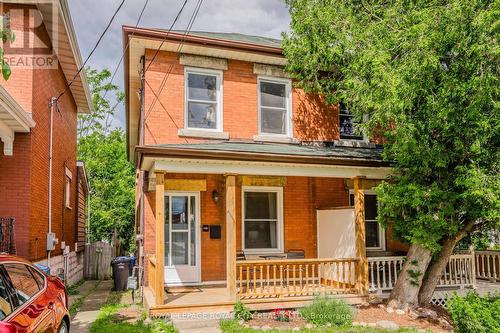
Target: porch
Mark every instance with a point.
(206, 209)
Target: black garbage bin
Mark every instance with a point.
(120, 272)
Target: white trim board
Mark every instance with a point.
(209, 166)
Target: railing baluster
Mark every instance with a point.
(300, 280)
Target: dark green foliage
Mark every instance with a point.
(112, 181)
(427, 74)
(111, 175)
(6, 35)
(241, 312)
(325, 310)
(475, 314)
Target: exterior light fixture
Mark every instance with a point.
(215, 196)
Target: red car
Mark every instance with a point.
(30, 301)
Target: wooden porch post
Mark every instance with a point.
(160, 237)
(231, 235)
(360, 235)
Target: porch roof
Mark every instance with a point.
(263, 158)
(273, 151)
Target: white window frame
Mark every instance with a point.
(288, 104)
(219, 83)
(68, 178)
(279, 226)
(381, 230)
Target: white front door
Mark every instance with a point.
(182, 238)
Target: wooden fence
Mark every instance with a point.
(97, 264)
(383, 272)
(295, 277)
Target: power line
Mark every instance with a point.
(166, 35)
(126, 48)
(93, 49)
(167, 74)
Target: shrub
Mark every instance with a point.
(241, 311)
(475, 314)
(326, 310)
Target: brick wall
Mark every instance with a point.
(24, 176)
(312, 119)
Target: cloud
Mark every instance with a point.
(255, 17)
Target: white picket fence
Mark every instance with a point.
(383, 272)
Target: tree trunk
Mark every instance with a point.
(404, 295)
(437, 267)
(435, 271)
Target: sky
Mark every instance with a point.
(255, 17)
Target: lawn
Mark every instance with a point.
(232, 326)
(110, 320)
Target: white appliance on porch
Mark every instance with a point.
(336, 237)
(182, 238)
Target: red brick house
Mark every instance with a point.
(44, 34)
(246, 186)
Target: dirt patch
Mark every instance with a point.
(129, 315)
(375, 313)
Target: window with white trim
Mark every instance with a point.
(375, 235)
(274, 106)
(203, 91)
(262, 219)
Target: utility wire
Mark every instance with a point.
(166, 35)
(126, 48)
(93, 49)
(167, 74)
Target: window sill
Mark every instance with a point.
(192, 133)
(355, 143)
(273, 138)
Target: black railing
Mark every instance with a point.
(7, 244)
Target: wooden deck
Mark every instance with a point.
(217, 299)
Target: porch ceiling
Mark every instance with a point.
(264, 159)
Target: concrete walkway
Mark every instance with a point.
(199, 323)
(88, 311)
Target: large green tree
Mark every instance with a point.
(111, 175)
(426, 72)
(112, 181)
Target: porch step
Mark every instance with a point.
(191, 322)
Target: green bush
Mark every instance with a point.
(326, 310)
(241, 311)
(475, 314)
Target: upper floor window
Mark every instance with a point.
(349, 127)
(203, 99)
(274, 106)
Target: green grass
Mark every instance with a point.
(109, 321)
(232, 326)
(73, 289)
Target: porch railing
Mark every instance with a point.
(7, 243)
(488, 265)
(383, 272)
(295, 277)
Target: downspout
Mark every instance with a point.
(52, 105)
